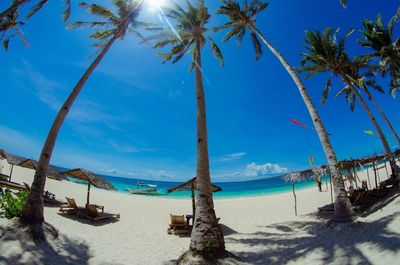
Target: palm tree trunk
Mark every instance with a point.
(206, 231)
(395, 169)
(33, 210)
(343, 209)
(12, 8)
(389, 124)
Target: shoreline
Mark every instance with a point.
(259, 229)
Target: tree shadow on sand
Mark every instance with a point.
(17, 248)
(293, 241)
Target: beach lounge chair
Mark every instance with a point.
(70, 207)
(47, 194)
(93, 213)
(12, 185)
(178, 225)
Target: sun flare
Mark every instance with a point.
(155, 4)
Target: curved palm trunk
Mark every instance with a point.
(33, 210)
(12, 8)
(206, 231)
(392, 162)
(343, 210)
(388, 123)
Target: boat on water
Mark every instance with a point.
(145, 189)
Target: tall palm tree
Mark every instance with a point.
(379, 39)
(327, 54)
(189, 36)
(244, 17)
(113, 26)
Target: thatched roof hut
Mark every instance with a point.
(12, 159)
(191, 185)
(52, 172)
(92, 178)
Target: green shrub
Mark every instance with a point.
(11, 205)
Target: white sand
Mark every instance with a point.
(262, 230)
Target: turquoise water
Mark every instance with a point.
(229, 189)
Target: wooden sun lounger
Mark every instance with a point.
(70, 207)
(93, 214)
(48, 196)
(178, 225)
(12, 185)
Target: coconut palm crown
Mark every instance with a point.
(189, 28)
(380, 40)
(241, 18)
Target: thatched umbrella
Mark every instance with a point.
(91, 178)
(191, 185)
(11, 159)
(52, 172)
(300, 176)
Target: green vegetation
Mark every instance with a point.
(11, 204)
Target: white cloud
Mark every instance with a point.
(123, 147)
(160, 174)
(233, 156)
(253, 170)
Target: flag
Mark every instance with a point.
(311, 160)
(297, 123)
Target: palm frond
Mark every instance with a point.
(257, 45)
(216, 51)
(36, 8)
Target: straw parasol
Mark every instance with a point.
(191, 185)
(11, 159)
(52, 172)
(91, 178)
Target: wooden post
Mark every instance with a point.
(330, 181)
(387, 173)
(295, 199)
(12, 167)
(88, 194)
(376, 179)
(369, 181)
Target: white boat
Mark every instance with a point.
(145, 189)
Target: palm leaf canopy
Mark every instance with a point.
(112, 24)
(10, 27)
(326, 53)
(188, 29)
(241, 17)
(379, 39)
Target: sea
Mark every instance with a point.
(251, 188)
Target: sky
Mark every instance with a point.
(136, 117)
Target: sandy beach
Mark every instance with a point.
(260, 230)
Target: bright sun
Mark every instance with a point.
(155, 4)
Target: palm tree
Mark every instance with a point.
(379, 39)
(326, 54)
(363, 81)
(111, 28)
(189, 36)
(16, 4)
(9, 23)
(10, 27)
(244, 17)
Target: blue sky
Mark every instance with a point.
(136, 116)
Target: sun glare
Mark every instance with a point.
(155, 4)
